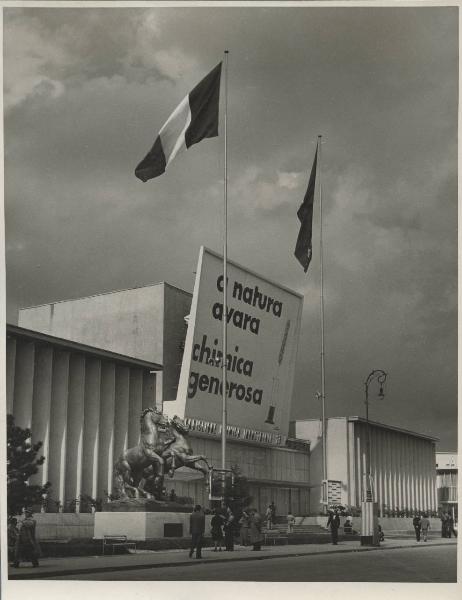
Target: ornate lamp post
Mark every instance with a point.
(381, 377)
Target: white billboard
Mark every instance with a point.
(263, 324)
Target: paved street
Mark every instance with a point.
(423, 564)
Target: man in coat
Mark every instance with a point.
(196, 529)
(26, 544)
(417, 527)
(255, 534)
(334, 522)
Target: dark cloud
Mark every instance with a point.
(86, 91)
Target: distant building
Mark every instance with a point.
(402, 464)
(446, 482)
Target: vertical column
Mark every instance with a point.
(149, 390)
(41, 407)
(58, 424)
(75, 421)
(395, 468)
(400, 472)
(106, 435)
(380, 471)
(122, 396)
(23, 383)
(434, 492)
(360, 466)
(92, 401)
(10, 366)
(135, 407)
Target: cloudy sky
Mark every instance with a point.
(85, 93)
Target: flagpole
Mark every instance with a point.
(225, 270)
(323, 372)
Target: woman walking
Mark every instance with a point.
(229, 530)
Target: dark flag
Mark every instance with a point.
(194, 119)
(303, 249)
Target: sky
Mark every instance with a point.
(86, 91)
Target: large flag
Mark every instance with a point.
(303, 249)
(194, 119)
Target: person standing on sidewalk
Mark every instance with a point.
(217, 529)
(255, 534)
(334, 522)
(196, 529)
(425, 526)
(26, 544)
(450, 527)
(229, 530)
(417, 526)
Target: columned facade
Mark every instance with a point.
(82, 403)
(401, 463)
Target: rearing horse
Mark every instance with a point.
(129, 468)
(179, 452)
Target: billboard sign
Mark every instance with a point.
(263, 324)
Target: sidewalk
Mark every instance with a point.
(145, 559)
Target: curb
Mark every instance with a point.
(190, 562)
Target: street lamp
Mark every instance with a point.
(381, 377)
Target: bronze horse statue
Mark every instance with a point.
(133, 466)
(179, 452)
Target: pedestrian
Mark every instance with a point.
(196, 529)
(255, 534)
(273, 513)
(229, 530)
(348, 525)
(334, 522)
(269, 517)
(290, 522)
(12, 533)
(381, 534)
(26, 548)
(444, 525)
(172, 495)
(425, 526)
(244, 523)
(450, 526)
(417, 526)
(217, 529)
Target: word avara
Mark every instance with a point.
(251, 296)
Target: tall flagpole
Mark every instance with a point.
(323, 372)
(225, 271)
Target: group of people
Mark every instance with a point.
(421, 524)
(224, 528)
(447, 525)
(22, 543)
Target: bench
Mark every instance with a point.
(275, 538)
(117, 541)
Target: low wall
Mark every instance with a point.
(391, 524)
(64, 526)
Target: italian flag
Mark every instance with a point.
(194, 119)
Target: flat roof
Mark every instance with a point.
(97, 294)
(377, 424)
(21, 332)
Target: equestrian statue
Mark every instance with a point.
(163, 448)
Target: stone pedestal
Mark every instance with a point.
(141, 526)
(369, 524)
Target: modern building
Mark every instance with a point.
(80, 372)
(446, 482)
(402, 464)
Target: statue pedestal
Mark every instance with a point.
(141, 525)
